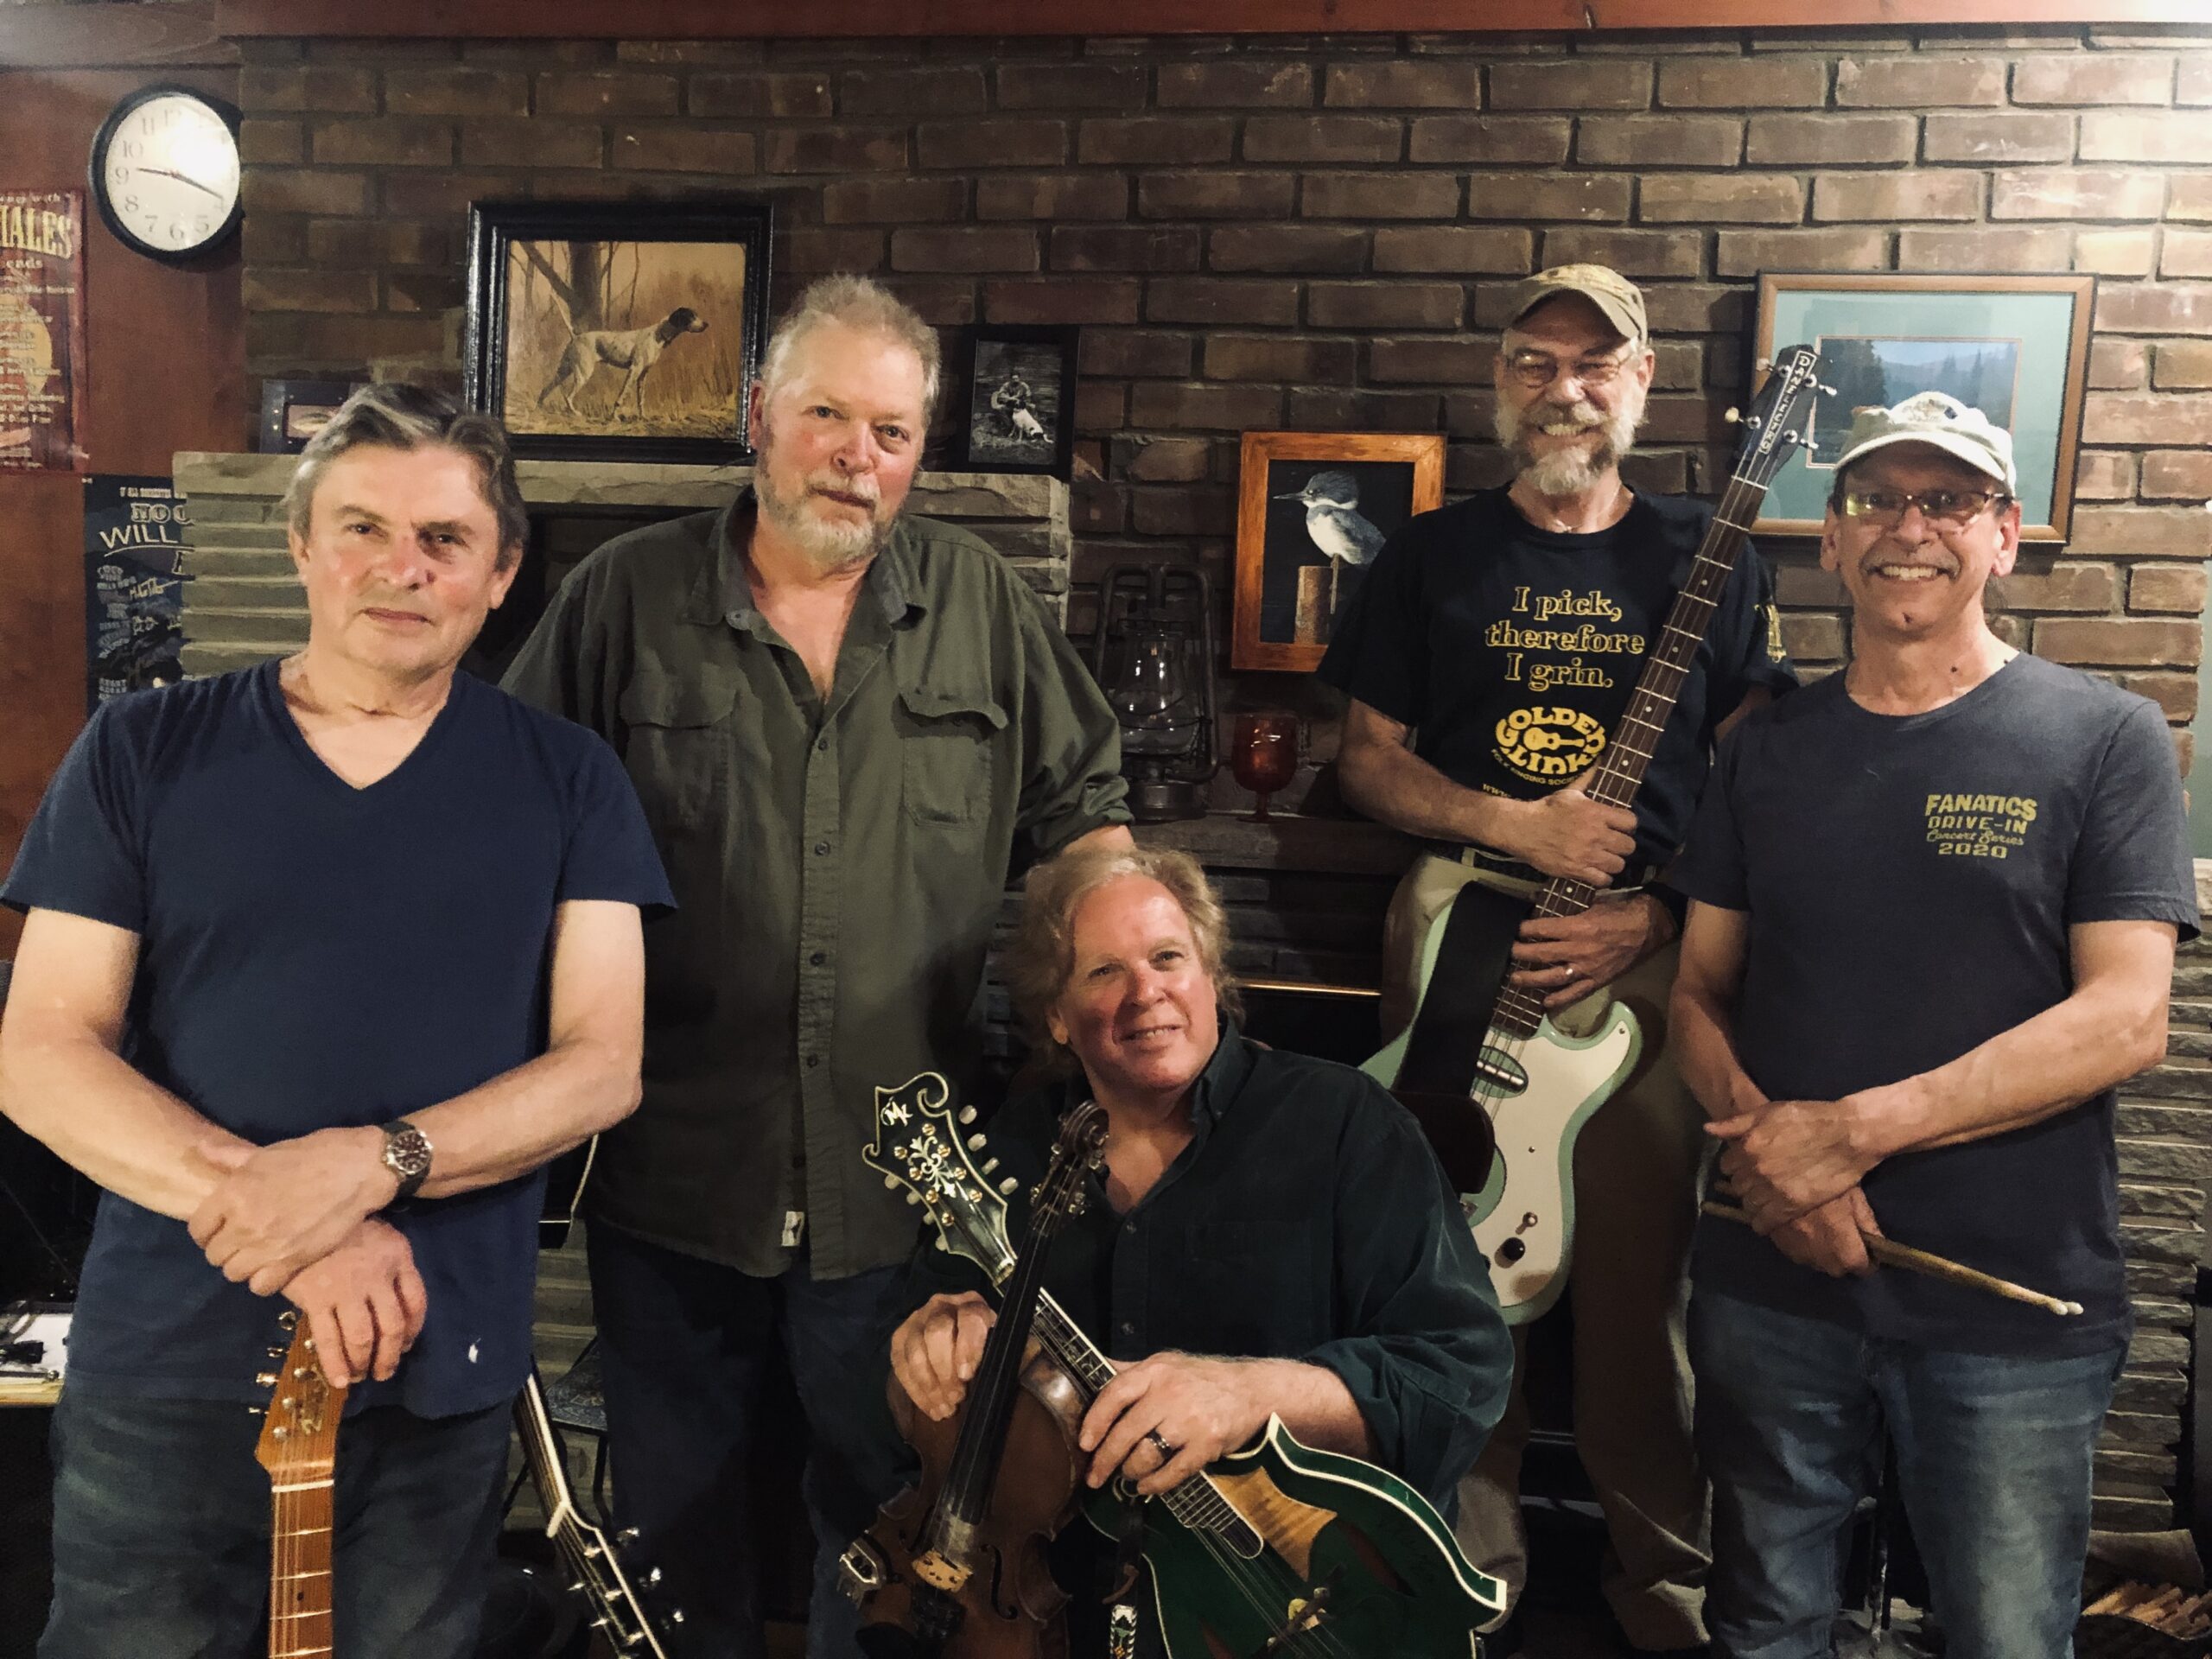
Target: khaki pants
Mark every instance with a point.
(1636, 1177)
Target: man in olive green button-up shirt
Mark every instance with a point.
(845, 727)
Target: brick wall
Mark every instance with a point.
(1318, 233)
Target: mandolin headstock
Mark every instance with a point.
(919, 1145)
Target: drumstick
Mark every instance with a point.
(1891, 1254)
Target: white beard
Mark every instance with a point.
(827, 544)
(1567, 471)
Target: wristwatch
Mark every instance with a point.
(406, 1154)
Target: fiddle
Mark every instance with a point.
(954, 1567)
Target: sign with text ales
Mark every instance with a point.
(42, 331)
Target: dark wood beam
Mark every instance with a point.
(172, 36)
(759, 19)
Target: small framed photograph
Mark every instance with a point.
(618, 331)
(2015, 347)
(292, 411)
(1017, 402)
(1314, 510)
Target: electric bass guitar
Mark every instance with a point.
(1278, 1549)
(299, 1448)
(1539, 1086)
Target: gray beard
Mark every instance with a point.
(1565, 472)
(826, 546)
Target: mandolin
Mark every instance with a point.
(1277, 1549)
(299, 1448)
(1537, 1085)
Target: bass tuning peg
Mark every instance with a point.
(890, 1183)
(975, 1142)
(1007, 1186)
(967, 1114)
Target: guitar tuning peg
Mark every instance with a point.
(676, 1615)
(1732, 414)
(1762, 363)
(576, 1588)
(975, 1142)
(967, 1114)
(990, 1164)
(890, 1183)
(1825, 390)
(941, 1244)
(914, 1197)
(652, 1577)
(627, 1536)
(1007, 1186)
(266, 1379)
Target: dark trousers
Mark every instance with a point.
(160, 1531)
(687, 1348)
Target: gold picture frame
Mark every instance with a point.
(1312, 508)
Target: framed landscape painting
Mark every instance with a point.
(618, 331)
(2015, 347)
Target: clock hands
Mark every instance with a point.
(181, 178)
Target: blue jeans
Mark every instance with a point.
(685, 1349)
(160, 1531)
(1994, 1456)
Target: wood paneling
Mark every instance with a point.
(758, 19)
(177, 33)
(166, 354)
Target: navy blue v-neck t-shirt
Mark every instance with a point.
(313, 955)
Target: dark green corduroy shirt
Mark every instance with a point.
(837, 864)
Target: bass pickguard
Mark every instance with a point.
(1539, 1090)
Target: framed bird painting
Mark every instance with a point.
(1314, 510)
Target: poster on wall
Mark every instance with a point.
(42, 331)
(136, 533)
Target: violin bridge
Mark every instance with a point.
(938, 1573)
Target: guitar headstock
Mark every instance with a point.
(918, 1145)
(1780, 419)
(300, 1437)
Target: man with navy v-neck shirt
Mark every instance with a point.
(323, 960)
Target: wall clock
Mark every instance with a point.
(165, 172)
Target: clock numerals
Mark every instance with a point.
(166, 172)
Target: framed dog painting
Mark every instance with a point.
(1016, 413)
(618, 330)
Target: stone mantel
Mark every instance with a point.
(244, 604)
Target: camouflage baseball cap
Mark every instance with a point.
(1942, 422)
(1620, 299)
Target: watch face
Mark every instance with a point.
(166, 173)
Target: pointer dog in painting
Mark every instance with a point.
(633, 350)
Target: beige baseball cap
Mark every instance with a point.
(1941, 421)
(1611, 292)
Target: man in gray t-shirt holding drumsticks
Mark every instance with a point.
(1935, 902)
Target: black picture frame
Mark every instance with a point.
(987, 437)
(290, 409)
(677, 261)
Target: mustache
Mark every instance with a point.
(837, 484)
(1579, 413)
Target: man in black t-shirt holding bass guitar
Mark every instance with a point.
(1490, 657)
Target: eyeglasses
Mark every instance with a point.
(1952, 509)
(1535, 371)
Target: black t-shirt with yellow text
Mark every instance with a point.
(1513, 651)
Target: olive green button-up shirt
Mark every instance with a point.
(837, 863)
